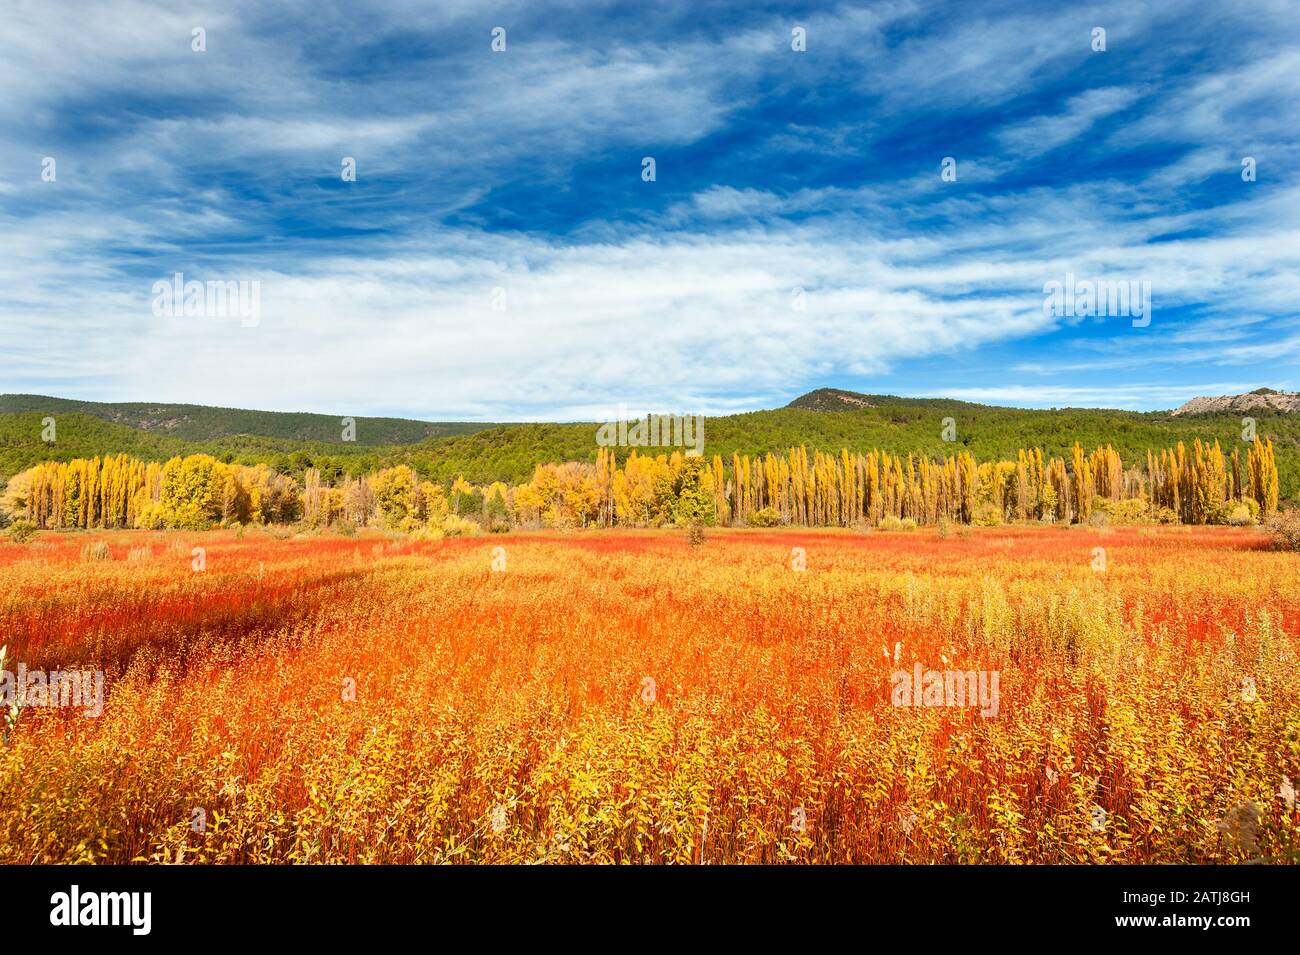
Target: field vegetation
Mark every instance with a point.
(655, 697)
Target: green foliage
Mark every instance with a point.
(495, 508)
(466, 500)
(20, 532)
(690, 493)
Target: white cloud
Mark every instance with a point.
(1129, 397)
(689, 308)
(1045, 133)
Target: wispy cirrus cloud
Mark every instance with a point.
(520, 171)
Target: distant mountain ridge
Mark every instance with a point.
(837, 399)
(833, 399)
(1261, 399)
(206, 423)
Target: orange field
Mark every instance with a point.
(637, 697)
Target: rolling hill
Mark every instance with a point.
(204, 423)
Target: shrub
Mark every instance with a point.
(892, 523)
(20, 532)
(1284, 527)
(987, 514)
(765, 517)
(696, 535)
(345, 529)
(150, 517)
(1163, 515)
(1132, 510)
(499, 525)
(454, 526)
(97, 550)
(1251, 516)
(1236, 513)
(1240, 516)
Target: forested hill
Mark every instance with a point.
(897, 425)
(509, 452)
(203, 423)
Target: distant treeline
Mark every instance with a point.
(1196, 485)
(509, 454)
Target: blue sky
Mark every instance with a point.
(522, 171)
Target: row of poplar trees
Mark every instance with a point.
(1199, 485)
(120, 491)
